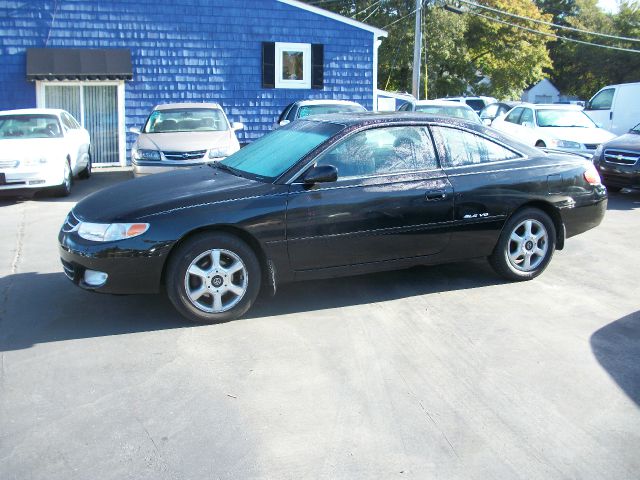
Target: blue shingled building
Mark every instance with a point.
(109, 62)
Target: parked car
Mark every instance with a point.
(477, 103)
(305, 108)
(42, 148)
(178, 135)
(561, 127)
(329, 196)
(494, 110)
(616, 107)
(442, 107)
(618, 161)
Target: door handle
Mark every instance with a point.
(435, 195)
(611, 115)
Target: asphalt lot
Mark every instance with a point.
(431, 373)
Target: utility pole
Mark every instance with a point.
(417, 51)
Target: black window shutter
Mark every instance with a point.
(268, 65)
(317, 66)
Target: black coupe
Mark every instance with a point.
(333, 195)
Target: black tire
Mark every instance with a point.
(64, 189)
(612, 188)
(86, 172)
(541, 144)
(502, 258)
(197, 246)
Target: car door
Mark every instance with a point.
(600, 107)
(509, 123)
(487, 177)
(391, 201)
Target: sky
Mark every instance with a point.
(608, 5)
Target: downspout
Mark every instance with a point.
(376, 44)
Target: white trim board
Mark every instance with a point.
(334, 16)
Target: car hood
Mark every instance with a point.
(19, 149)
(628, 141)
(143, 197)
(578, 134)
(183, 141)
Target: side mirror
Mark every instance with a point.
(527, 124)
(284, 122)
(486, 121)
(587, 105)
(321, 174)
(237, 126)
(135, 130)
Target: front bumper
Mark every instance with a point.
(22, 178)
(132, 266)
(615, 175)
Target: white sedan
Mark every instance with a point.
(561, 127)
(42, 148)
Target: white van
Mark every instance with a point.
(616, 107)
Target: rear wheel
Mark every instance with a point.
(213, 278)
(526, 245)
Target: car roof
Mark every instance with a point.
(326, 102)
(370, 118)
(442, 103)
(170, 106)
(552, 106)
(27, 111)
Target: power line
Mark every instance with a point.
(542, 22)
(401, 18)
(559, 37)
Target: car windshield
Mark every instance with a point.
(30, 126)
(270, 156)
(307, 110)
(636, 129)
(186, 120)
(451, 111)
(563, 118)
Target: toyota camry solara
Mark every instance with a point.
(329, 196)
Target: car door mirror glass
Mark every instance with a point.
(284, 122)
(321, 174)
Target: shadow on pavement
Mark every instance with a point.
(624, 200)
(39, 308)
(617, 347)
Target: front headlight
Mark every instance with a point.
(107, 232)
(142, 154)
(568, 144)
(218, 152)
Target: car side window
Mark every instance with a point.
(603, 100)
(66, 121)
(382, 151)
(514, 116)
(463, 148)
(526, 117)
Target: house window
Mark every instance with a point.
(293, 65)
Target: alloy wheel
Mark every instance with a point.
(528, 245)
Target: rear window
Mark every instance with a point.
(475, 104)
(308, 110)
(30, 126)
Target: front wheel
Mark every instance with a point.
(213, 278)
(525, 246)
(65, 188)
(86, 171)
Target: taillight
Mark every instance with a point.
(592, 176)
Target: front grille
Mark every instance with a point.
(195, 155)
(71, 223)
(621, 157)
(69, 271)
(9, 163)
